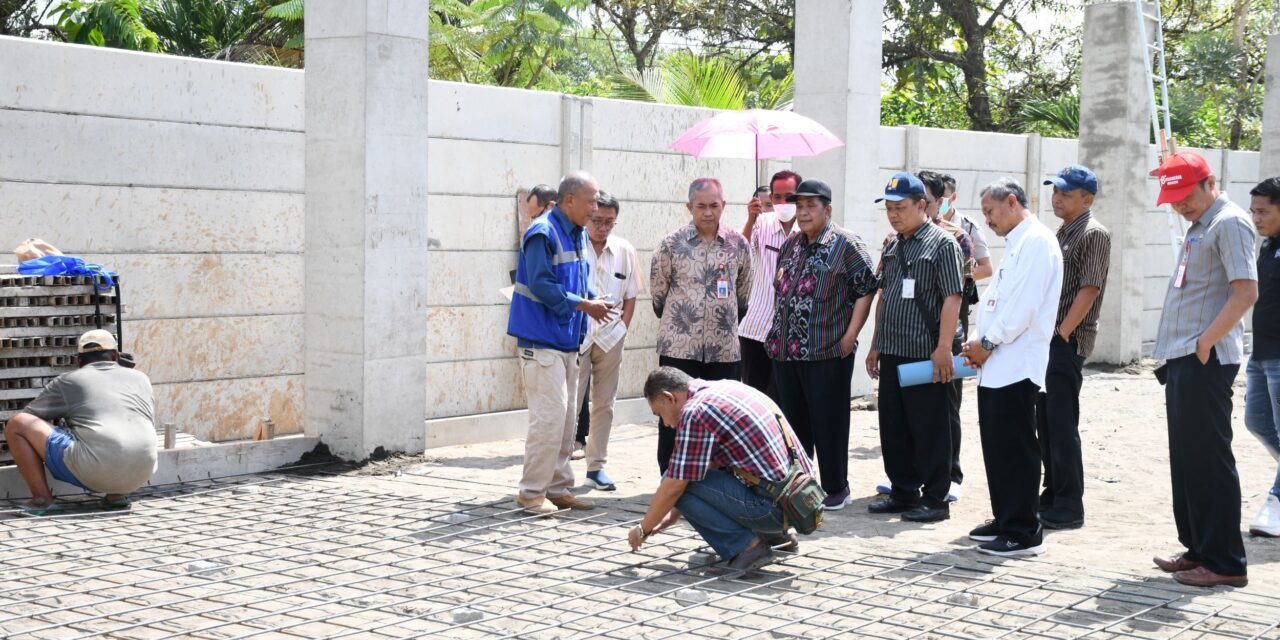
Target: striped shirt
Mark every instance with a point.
(728, 424)
(766, 244)
(1218, 250)
(1086, 256)
(908, 327)
(816, 287)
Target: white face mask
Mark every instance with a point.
(786, 211)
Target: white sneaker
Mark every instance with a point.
(953, 494)
(1267, 522)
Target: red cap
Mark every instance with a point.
(1179, 176)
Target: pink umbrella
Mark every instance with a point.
(756, 134)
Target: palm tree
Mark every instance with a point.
(686, 79)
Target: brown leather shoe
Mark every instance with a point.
(1202, 577)
(569, 501)
(1175, 562)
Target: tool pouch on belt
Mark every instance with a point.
(798, 495)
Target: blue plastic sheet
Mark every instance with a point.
(103, 279)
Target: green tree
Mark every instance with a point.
(237, 30)
(687, 79)
(105, 23)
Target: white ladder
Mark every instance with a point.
(1161, 128)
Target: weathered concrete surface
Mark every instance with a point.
(1115, 125)
(837, 83)
(1271, 111)
(366, 225)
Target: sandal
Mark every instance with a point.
(118, 503)
(32, 511)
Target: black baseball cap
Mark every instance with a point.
(811, 188)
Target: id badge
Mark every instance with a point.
(908, 288)
(1181, 275)
(991, 304)
(722, 288)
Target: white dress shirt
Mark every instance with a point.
(766, 239)
(1019, 307)
(615, 272)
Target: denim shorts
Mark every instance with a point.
(54, 448)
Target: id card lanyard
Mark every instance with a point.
(908, 284)
(722, 282)
(1180, 277)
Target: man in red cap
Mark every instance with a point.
(1201, 338)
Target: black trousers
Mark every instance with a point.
(915, 439)
(757, 368)
(584, 417)
(1058, 429)
(814, 397)
(703, 370)
(1007, 420)
(1206, 487)
(955, 396)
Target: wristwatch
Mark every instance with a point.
(988, 345)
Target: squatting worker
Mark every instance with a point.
(719, 426)
(824, 288)
(766, 229)
(615, 275)
(1201, 338)
(1015, 322)
(1262, 398)
(549, 312)
(701, 281)
(1086, 257)
(109, 443)
(921, 281)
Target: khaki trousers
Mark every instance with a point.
(550, 381)
(601, 368)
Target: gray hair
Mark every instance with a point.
(665, 379)
(572, 182)
(702, 184)
(1002, 188)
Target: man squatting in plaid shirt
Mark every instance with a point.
(720, 425)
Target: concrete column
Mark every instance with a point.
(837, 83)
(1115, 127)
(1271, 111)
(366, 224)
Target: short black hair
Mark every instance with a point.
(544, 193)
(95, 356)
(668, 379)
(949, 180)
(933, 182)
(785, 174)
(1269, 189)
(605, 200)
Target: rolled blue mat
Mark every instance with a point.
(916, 373)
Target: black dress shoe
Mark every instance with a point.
(926, 513)
(890, 505)
(1058, 519)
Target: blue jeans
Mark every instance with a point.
(728, 514)
(1262, 408)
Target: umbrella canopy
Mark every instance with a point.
(756, 134)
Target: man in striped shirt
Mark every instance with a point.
(916, 321)
(824, 287)
(1086, 256)
(720, 426)
(766, 231)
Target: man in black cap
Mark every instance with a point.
(824, 287)
(1086, 256)
(916, 319)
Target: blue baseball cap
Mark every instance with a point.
(1076, 176)
(902, 185)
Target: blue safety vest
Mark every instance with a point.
(530, 318)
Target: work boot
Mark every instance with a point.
(536, 506)
(570, 501)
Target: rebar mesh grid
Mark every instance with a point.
(287, 555)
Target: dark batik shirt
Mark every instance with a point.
(908, 327)
(1086, 257)
(816, 287)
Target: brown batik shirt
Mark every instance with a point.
(700, 292)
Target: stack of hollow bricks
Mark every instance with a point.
(41, 317)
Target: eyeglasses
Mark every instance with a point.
(602, 224)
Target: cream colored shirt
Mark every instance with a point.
(615, 272)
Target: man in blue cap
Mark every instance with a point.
(1086, 256)
(921, 282)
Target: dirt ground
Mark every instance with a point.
(1129, 517)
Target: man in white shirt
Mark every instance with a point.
(770, 221)
(1016, 319)
(615, 275)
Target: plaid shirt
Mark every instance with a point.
(728, 424)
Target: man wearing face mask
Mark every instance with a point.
(770, 221)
